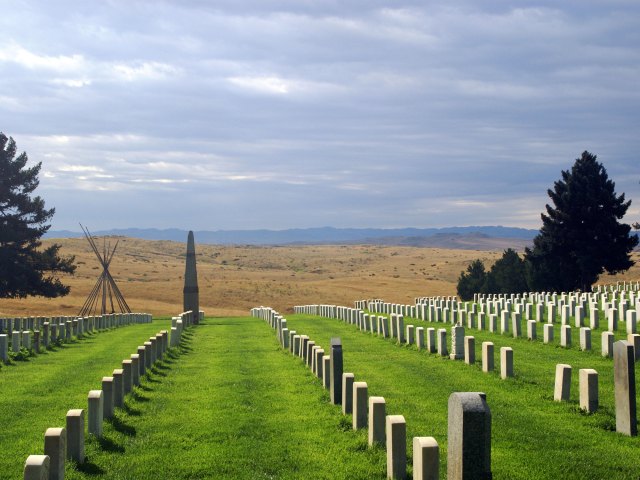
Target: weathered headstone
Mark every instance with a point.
(625, 388)
(336, 371)
(55, 446)
(562, 389)
(588, 389)
(469, 437)
(457, 342)
(426, 458)
(396, 433)
(377, 415)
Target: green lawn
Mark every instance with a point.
(532, 436)
(229, 403)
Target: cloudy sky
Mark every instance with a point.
(229, 114)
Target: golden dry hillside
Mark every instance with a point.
(232, 279)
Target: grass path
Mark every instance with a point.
(532, 436)
(231, 405)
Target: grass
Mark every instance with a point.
(532, 436)
(36, 393)
(230, 403)
(227, 404)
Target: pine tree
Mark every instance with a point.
(581, 235)
(25, 269)
(507, 275)
(471, 281)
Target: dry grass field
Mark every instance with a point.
(232, 279)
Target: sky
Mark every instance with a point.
(219, 115)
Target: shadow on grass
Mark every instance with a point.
(122, 427)
(109, 445)
(89, 468)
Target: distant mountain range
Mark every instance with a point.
(487, 237)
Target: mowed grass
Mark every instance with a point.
(36, 394)
(532, 436)
(229, 403)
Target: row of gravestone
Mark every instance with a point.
(61, 444)
(469, 436)
(536, 307)
(462, 346)
(42, 332)
(624, 353)
(506, 322)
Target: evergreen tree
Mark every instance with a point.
(25, 269)
(471, 281)
(581, 235)
(507, 275)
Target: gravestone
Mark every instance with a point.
(36, 467)
(347, 393)
(531, 330)
(359, 404)
(634, 340)
(396, 433)
(487, 357)
(420, 338)
(4, 348)
(506, 362)
(442, 342)
(565, 336)
(96, 414)
(625, 388)
(326, 371)
(142, 362)
(562, 389)
(469, 437)
(469, 350)
(431, 340)
(336, 371)
(585, 338)
(118, 388)
(377, 415)
(607, 344)
(457, 342)
(516, 323)
(409, 336)
(75, 435)
(426, 459)
(55, 447)
(108, 397)
(588, 389)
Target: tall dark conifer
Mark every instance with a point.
(581, 235)
(25, 269)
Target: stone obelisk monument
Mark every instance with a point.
(191, 292)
